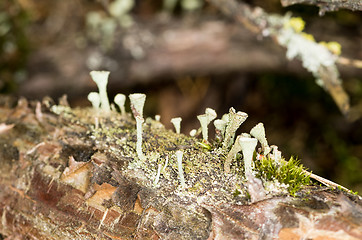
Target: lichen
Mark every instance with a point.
(301, 45)
(202, 168)
(202, 162)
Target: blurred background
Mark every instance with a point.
(186, 56)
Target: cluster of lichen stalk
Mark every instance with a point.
(225, 128)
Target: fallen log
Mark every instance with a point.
(75, 174)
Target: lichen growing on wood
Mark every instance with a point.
(75, 174)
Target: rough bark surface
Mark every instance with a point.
(74, 174)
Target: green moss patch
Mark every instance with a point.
(289, 172)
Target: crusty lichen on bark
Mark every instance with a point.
(115, 197)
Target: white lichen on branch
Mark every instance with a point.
(303, 46)
(101, 79)
(316, 57)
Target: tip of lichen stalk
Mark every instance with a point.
(220, 124)
(259, 133)
(204, 121)
(120, 100)
(94, 98)
(247, 147)
(177, 124)
(193, 132)
(211, 113)
(100, 76)
(137, 103)
(101, 79)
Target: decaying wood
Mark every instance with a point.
(61, 177)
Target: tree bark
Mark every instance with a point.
(327, 6)
(74, 174)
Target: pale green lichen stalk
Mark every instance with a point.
(177, 124)
(193, 132)
(120, 100)
(94, 98)
(259, 133)
(232, 154)
(220, 126)
(179, 155)
(205, 120)
(235, 119)
(248, 147)
(101, 79)
(137, 104)
(139, 122)
(157, 178)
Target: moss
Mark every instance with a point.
(236, 193)
(286, 172)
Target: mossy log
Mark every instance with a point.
(74, 174)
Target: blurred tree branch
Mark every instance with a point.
(327, 5)
(165, 47)
(258, 21)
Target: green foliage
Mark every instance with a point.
(14, 45)
(287, 172)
